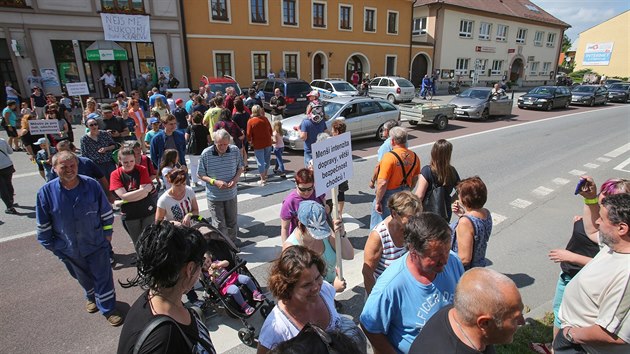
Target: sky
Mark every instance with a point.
(583, 14)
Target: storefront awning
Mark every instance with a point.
(105, 50)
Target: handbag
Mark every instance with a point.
(435, 200)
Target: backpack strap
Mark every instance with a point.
(402, 166)
(155, 323)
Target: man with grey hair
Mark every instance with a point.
(414, 287)
(595, 310)
(397, 171)
(385, 147)
(487, 310)
(220, 166)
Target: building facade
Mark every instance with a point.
(307, 39)
(65, 41)
(481, 42)
(605, 47)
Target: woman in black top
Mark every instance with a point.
(197, 139)
(169, 264)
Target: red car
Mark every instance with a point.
(221, 83)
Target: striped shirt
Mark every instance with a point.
(222, 167)
(390, 252)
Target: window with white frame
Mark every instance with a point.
(533, 68)
(257, 11)
(538, 38)
(289, 12)
(484, 31)
(291, 64)
(497, 66)
(502, 33)
(223, 64)
(345, 17)
(465, 28)
(260, 65)
(319, 14)
(546, 68)
(551, 39)
(369, 19)
(521, 36)
(419, 26)
(461, 66)
(219, 10)
(481, 65)
(392, 22)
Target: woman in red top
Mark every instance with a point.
(259, 134)
(136, 113)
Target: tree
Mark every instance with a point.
(566, 43)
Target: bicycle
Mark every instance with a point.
(429, 93)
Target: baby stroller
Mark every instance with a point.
(223, 248)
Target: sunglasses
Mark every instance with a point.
(93, 125)
(307, 189)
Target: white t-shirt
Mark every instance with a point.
(278, 328)
(176, 209)
(110, 80)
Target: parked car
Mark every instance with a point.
(222, 83)
(478, 103)
(619, 92)
(392, 88)
(546, 97)
(364, 118)
(609, 82)
(589, 95)
(293, 90)
(329, 88)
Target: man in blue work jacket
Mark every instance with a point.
(74, 221)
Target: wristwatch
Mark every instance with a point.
(569, 336)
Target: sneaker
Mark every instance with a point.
(115, 319)
(283, 176)
(248, 310)
(11, 210)
(260, 182)
(90, 306)
(258, 296)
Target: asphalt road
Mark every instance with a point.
(530, 162)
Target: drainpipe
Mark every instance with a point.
(185, 42)
(435, 41)
(410, 41)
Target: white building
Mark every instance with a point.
(485, 41)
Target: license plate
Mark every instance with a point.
(459, 111)
(527, 102)
(301, 99)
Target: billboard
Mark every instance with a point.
(597, 53)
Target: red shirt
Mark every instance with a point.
(130, 181)
(259, 132)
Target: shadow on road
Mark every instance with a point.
(521, 280)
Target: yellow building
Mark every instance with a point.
(308, 39)
(604, 48)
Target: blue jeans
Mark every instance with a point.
(279, 163)
(376, 218)
(308, 156)
(563, 280)
(263, 159)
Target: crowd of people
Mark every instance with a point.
(425, 283)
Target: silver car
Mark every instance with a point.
(392, 88)
(364, 118)
(478, 103)
(329, 88)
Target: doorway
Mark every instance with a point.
(317, 66)
(7, 72)
(419, 68)
(517, 69)
(359, 63)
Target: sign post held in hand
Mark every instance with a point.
(332, 165)
(78, 89)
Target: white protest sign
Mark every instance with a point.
(77, 88)
(43, 126)
(332, 162)
(126, 28)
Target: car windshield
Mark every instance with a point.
(619, 86)
(542, 90)
(404, 83)
(343, 86)
(296, 88)
(331, 108)
(584, 89)
(478, 94)
(224, 85)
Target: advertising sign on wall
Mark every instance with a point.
(597, 53)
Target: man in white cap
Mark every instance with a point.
(312, 126)
(43, 159)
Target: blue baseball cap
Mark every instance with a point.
(153, 120)
(93, 116)
(313, 215)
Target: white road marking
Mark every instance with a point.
(18, 236)
(619, 151)
(542, 191)
(561, 181)
(621, 166)
(577, 172)
(591, 165)
(497, 219)
(520, 203)
(602, 159)
(29, 174)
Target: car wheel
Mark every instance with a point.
(521, 107)
(592, 102)
(413, 122)
(566, 105)
(485, 115)
(379, 133)
(441, 122)
(391, 99)
(549, 106)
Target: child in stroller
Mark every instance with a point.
(215, 270)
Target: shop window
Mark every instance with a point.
(146, 61)
(123, 6)
(67, 69)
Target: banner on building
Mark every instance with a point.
(597, 53)
(126, 28)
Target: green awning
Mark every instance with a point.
(105, 50)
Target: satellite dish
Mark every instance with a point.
(568, 59)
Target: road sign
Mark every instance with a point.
(332, 162)
(43, 126)
(77, 88)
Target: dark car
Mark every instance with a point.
(546, 97)
(589, 95)
(609, 82)
(619, 92)
(293, 90)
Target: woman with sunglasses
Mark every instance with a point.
(304, 190)
(97, 146)
(132, 185)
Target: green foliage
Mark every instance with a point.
(535, 331)
(566, 43)
(577, 76)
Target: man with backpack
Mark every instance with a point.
(312, 125)
(398, 171)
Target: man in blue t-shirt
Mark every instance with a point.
(414, 287)
(308, 132)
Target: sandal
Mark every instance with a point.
(540, 348)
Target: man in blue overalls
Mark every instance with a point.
(74, 221)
